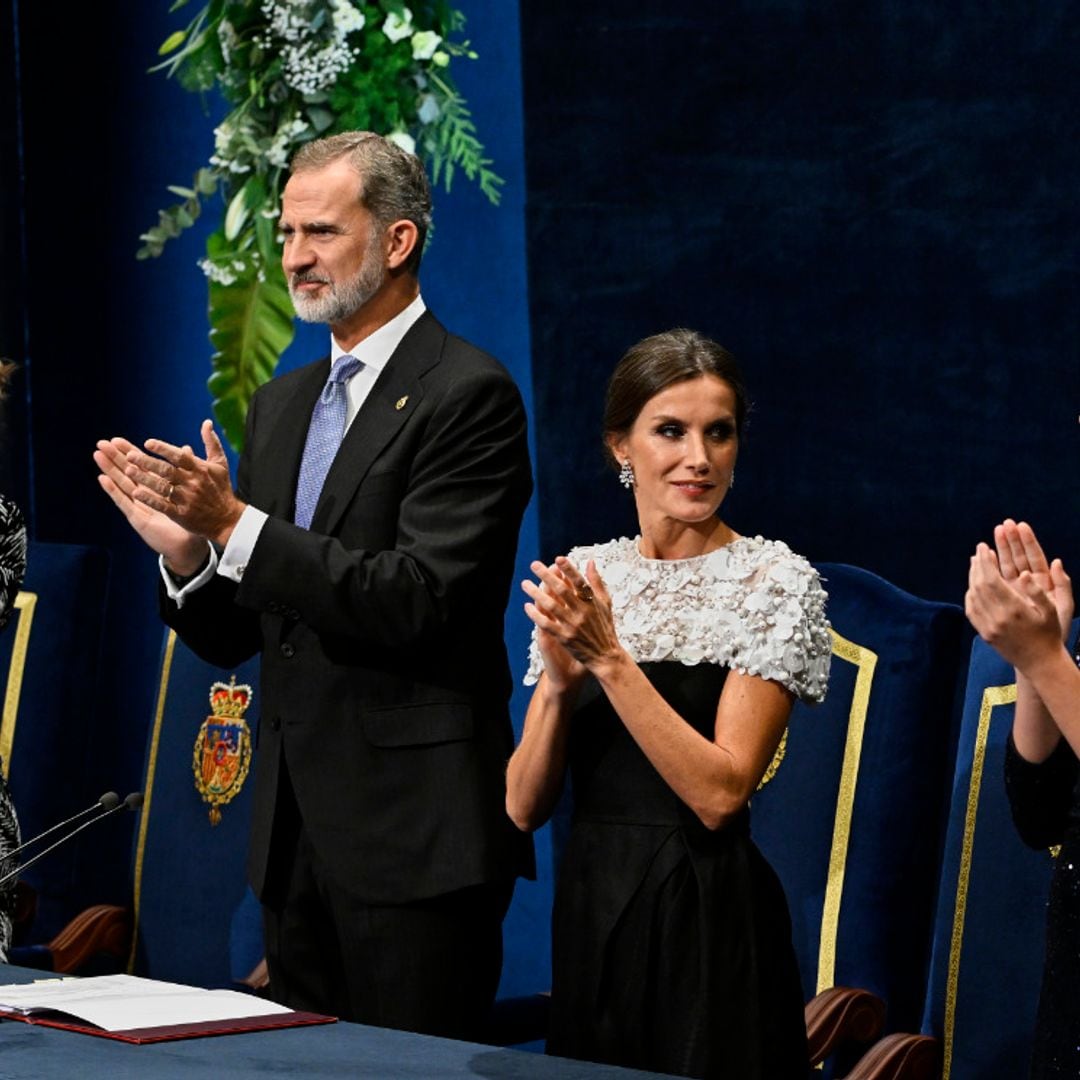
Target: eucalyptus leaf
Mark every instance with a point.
(321, 119)
(206, 182)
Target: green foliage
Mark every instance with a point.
(251, 326)
(453, 142)
(292, 71)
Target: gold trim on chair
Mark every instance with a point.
(993, 696)
(866, 661)
(25, 602)
(148, 790)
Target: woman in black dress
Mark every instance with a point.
(1023, 606)
(665, 669)
(12, 568)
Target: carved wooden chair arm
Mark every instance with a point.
(103, 928)
(900, 1057)
(840, 1015)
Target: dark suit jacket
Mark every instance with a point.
(384, 674)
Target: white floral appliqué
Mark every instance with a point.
(753, 606)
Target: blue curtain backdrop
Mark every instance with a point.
(873, 205)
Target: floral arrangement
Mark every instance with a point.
(292, 71)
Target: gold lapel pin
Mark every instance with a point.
(400, 403)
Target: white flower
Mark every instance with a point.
(758, 601)
(424, 44)
(717, 562)
(397, 28)
(222, 275)
(404, 140)
(309, 69)
(347, 18)
(441, 59)
(223, 134)
(794, 660)
(663, 645)
(289, 21)
(277, 153)
(787, 616)
(788, 577)
(616, 573)
(228, 39)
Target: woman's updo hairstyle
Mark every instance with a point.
(657, 362)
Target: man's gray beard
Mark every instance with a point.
(339, 302)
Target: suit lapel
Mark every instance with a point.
(393, 399)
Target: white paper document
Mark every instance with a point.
(125, 1003)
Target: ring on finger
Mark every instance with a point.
(172, 487)
(585, 593)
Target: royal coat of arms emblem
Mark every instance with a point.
(222, 755)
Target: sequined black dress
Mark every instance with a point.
(671, 943)
(1045, 802)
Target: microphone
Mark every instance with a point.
(131, 802)
(108, 801)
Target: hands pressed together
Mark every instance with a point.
(175, 500)
(1016, 600)
(572, 612)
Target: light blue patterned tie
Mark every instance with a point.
(323, 438)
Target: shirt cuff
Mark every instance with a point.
(179, 591)
(237, 553)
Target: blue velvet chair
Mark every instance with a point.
(49, 661)
(990, 930)
(853, 819)
(195, 919)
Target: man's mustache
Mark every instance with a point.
(308, 278)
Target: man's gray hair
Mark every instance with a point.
(393, 184)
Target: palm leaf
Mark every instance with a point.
(252, 325)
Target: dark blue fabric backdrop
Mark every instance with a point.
(873, 205)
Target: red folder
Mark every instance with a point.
(175, 1031)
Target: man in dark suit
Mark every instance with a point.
(372, 572)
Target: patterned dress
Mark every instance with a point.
(12, 568)
(671, 943)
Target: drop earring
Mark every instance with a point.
(626, 475)
(731, 480)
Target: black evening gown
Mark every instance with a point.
(1045, 803)
(671, 943)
